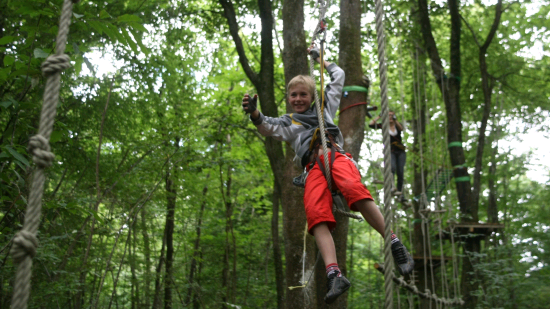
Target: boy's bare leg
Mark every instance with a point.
(325, 243)
(372, 214)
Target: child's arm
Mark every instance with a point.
(281, 128)
(333, 91)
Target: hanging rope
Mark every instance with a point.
(25, 241)
(388, 179)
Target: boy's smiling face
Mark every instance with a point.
(300, 98)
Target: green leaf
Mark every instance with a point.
(7, 39)
(131, 42)
(56, 136)
(21, 180)
(9, 60)
(143, 48)
(138, 26)
(96, 25)
(78, 65)
(89, 64)
(128, 18)
(115, 30)
(5, 104)
(17, 155)
(39, 53)
(77, 16)
(104, 15)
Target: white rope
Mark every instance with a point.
(388, 286)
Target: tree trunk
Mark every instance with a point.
(352, 125)
(487, 87)
(169, 228)
(294, 218)
(158, 285)
(226, 276)
(147, 256)
(264, 83)
(196, 248)
(450, 88)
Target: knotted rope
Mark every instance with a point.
(25, 241)
(388, 179)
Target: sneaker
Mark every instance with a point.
(403, 259)
(394, 192)
(336, 286)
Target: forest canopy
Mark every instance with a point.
(163, 194)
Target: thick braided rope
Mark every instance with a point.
(25, 241)
(388, 287)
(322, 11)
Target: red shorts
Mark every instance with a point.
(317, 197)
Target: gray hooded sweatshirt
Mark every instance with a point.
(298, 129)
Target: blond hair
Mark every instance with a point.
(302, 80)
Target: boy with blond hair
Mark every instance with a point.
(299, 129)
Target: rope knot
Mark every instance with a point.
(55, 64)
(39, 147)
(24, 244)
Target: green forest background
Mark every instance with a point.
(174, 207)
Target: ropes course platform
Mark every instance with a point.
(433, 261)
(480, 230)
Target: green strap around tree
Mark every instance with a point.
(462, 179)
(355, 88)
(455, 144)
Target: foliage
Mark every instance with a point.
(173, 91)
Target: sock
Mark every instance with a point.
(394, 238)
(333, 268)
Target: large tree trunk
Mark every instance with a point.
(487, 86)
(294, 218)
(450, 87)
(264, 84)
(352, 125)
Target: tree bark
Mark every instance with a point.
(450, 88)
(196, 248)
(263, 82)
(147, 258)
(169, 232)
(294, 218)
(158, 284)
(487, 86)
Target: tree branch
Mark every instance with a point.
(229, 13)
(471, 30)
(494, 27)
